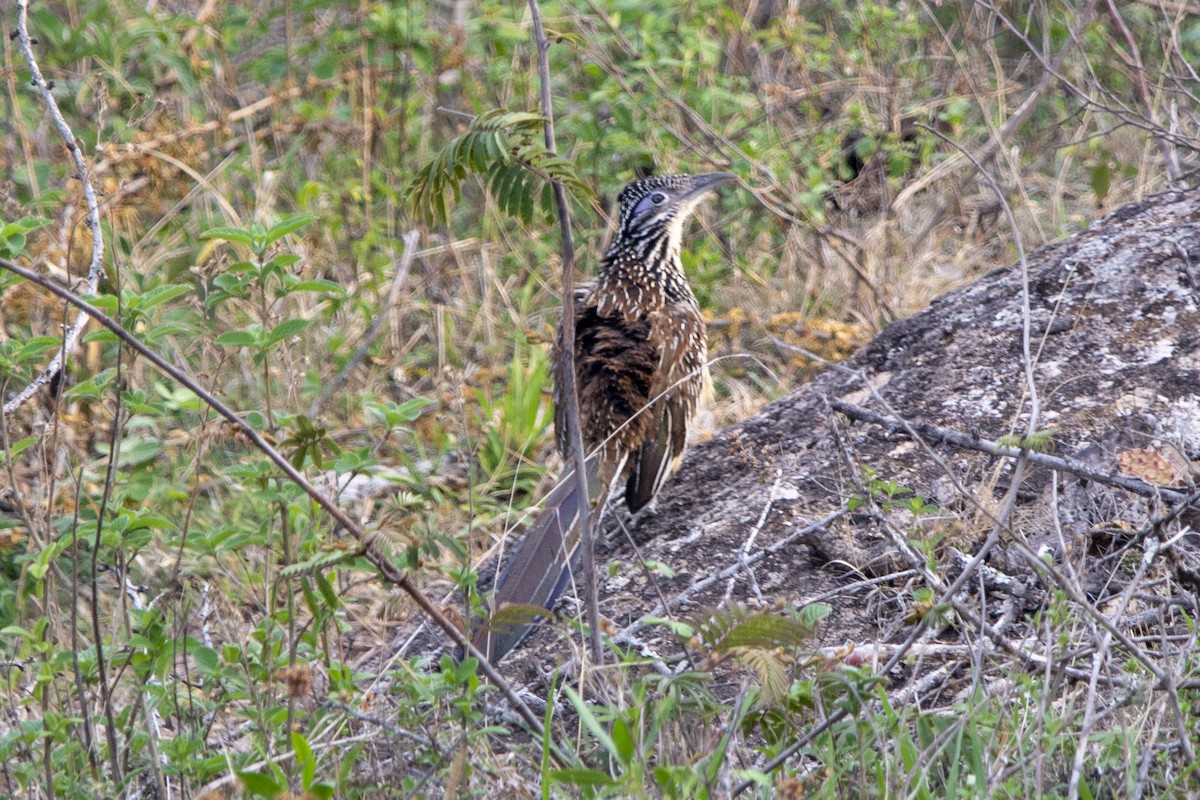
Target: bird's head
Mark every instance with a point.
(653, 210)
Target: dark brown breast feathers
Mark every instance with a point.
(638, 376)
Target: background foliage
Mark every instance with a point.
(171, 606)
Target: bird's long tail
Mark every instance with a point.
(538, 574)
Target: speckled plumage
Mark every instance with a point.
(640, 349)
(640, 356)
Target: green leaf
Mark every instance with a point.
(332, 599)
(229, 235)
(237, 339)
(1101, 180)
(758, 777)
(772, 672)
(1040, 441)
(258, 783)
(677, 627)
(590, 722)
(317, 563)
(16, 448)
(163, 294)
(623, 739)
(289, 327)
(395, 415)
(151, 522)
(318, 285)
(288, 225)
(105, 302)
(813, 613)
(23, 225)
(527, 201)
(304, 757)
(92, 387)
(764, 630)
(13, 235)
(34, 349)
(495, 147)
(102, 335)
(479, 151)
(659, 568)
(504, 146)
(206, 658)
(12, 243)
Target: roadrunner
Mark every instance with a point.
(640, 356)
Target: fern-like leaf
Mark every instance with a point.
(504, 148)
(736, 626)
(761, 641)
(318, 563)
(772, 670)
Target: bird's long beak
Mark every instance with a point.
(702, 184)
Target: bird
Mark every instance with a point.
(640, 367)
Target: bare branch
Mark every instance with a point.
(71, 337)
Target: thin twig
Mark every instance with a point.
(1081, 18)
(1099, 660)
(1073, 592)
(567, 376)
(389, 571)
(948, 594)
(1026, 354)
(71, 337)
(89, 736)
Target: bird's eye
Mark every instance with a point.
(658, 198)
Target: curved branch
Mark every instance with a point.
(71, 337)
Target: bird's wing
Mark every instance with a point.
(658, 456)
(672, 403)
(615, 366)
